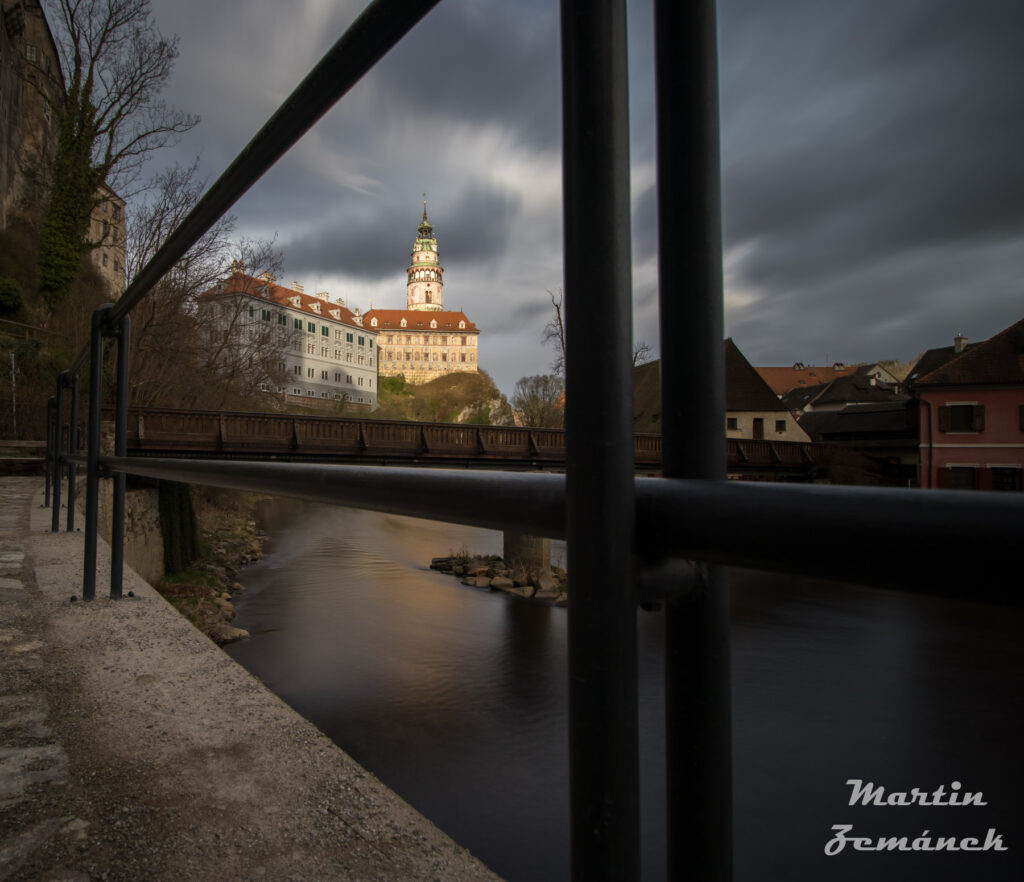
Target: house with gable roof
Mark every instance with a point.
(972, 413)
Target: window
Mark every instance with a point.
(732, 423)
(297, 369)
(281, 319)
(323, 351)
(323, 375)
(962, 478)
(117, 263)
(105, 260)
(114, 233)
(348, 338)
(370, 382)
(309, 392)
(310, 372)
(296, 390)
(30, 54)
(962, 418)
(311, 327)
(1005, 478)
(311, 348)
(297, 324)
(252, 312)
(337, 377)
(780, 427)
(360, 381)
(758, 428)
(265, 315)
(325, 331)
(371, 344)
(348, 379)
(116, 209)
(361, 341)
(323, 394)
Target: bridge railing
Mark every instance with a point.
(626, 537)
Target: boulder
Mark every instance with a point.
(502, 583)
(223, 633)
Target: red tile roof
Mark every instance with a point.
(418, 320)
(240, 283)
(782, 379)
(998, 360)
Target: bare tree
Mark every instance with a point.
(641, 352)
(554, 333)
(115, 65)
(191, 346)
(540, 401)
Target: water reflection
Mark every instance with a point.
(456, 698)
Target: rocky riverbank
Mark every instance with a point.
(229, 538)
(493, 574)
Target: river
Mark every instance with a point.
(456, 699)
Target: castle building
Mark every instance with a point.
(424, 341)
(304, 348)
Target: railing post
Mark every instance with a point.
(51, 421)
(123, 335)
(58, 451)
(92, 474)
(603, 729)
(697, 688)
(72, 449)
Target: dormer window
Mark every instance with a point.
(295, 301)
(315, 307)
(404, 323)
(336, 313)
(373, 322)
(462, 324)
(433, 323)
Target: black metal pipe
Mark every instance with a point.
(92, 474)
(370, 37)
(58, 451)
(72, 449)
(124, 328)
(735, 523)
(697, 680)
(603, 737)
(51, 421)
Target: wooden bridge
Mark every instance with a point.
(232, 435)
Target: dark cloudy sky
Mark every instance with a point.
(872, 155)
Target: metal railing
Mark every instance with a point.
(628, 538)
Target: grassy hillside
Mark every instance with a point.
(461, 397)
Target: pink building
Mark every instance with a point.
(972, 413)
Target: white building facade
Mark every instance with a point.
(323, 353)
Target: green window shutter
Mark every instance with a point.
(944, 411)
(371, 344)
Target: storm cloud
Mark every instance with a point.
(872, 186)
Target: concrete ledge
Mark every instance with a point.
(179, 764)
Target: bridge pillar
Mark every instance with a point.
(531, 554)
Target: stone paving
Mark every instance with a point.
(132, 748)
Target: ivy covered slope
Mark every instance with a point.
(454, 398)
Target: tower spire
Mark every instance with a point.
(424, 207)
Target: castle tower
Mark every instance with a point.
(424, 290)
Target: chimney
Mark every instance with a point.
(959, 342)
(297, 287)
(269, 278)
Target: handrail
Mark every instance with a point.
(734, 523)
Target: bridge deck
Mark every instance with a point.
(167, 431)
